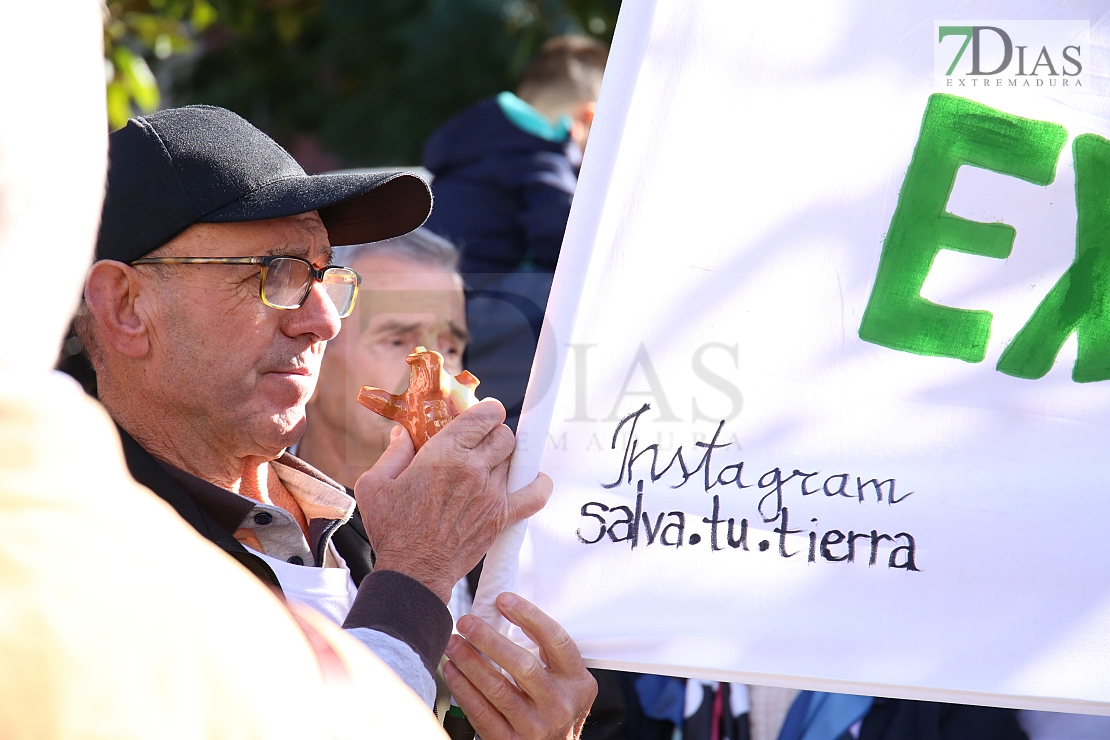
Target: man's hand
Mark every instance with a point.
(551, 698)
(432, 515)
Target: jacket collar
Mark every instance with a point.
(149, 472)
(217, 523)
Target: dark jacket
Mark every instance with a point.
(502, 195)
(902, 719)
(387, 601)
(350, 539)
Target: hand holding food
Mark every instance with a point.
(432, 399)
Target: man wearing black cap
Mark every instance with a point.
(208, 311)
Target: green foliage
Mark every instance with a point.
(364, 80)
(137, 29)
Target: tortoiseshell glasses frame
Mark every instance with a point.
(285, 281)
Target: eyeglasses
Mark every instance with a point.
(286, 281)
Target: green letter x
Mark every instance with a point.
(1080, 300)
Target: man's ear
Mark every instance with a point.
(112, 292)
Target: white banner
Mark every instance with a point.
(825, 385)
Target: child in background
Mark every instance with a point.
(505, 169)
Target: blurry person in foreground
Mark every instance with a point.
(139, 635)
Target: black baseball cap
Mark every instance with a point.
(202, 164)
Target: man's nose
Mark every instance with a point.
(317, 315)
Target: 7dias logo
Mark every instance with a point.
(1041, 56)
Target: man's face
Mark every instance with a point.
(225, 362)
(402, 304)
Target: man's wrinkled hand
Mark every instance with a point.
(433, 514)
(553, 693)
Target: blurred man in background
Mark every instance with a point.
(411, 295)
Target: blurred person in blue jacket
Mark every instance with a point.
(505, 169)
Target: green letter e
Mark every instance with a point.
(954, 132)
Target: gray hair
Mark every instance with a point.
(422, 246)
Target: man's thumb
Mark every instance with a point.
(397, 456)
